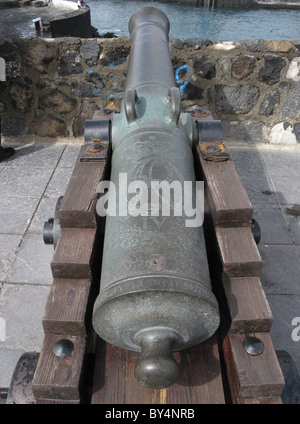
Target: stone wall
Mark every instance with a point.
(53, 85)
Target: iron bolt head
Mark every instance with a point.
(63, 348)
(253, 346)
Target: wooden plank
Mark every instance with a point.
(200, 377)
(79, 203)
(200, 381)
(66, 307)
(248, 306)
(59, 377)
(73, 252)
(239, 253)
(252, 376)
(110, 383)
(252, 379)
(229, 202)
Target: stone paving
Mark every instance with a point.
(33, 179)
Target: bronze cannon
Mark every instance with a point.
(155, 293)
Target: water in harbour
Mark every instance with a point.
(190, 22)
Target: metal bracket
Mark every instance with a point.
(210, 135)
(97, 136)
(214, 151)
(210, 130)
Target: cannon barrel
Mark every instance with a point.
(155, 291)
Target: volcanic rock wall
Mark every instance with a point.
(53, 85)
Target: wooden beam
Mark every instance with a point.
(79, 203)
(73, 252)
(59, 377)
(229, 201)
(66, 307)
(252, 376)
(248, 306)
(239, 253)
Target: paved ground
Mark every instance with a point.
(31, 182)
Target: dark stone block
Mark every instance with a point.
(178, 44)
(270, 72)
(225, 66)
(242, 66)
(115, 56)
(253, 46)
(204, 68)
(197, 43)
(70, 63)
(296, 131)
(14, 127)
(192, 92)
(269, 103)
(291, 104)
(297, 45)
(90, 52)
(239, 99)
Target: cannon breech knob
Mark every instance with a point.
(156, 367)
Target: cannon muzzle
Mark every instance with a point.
(155, 292)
